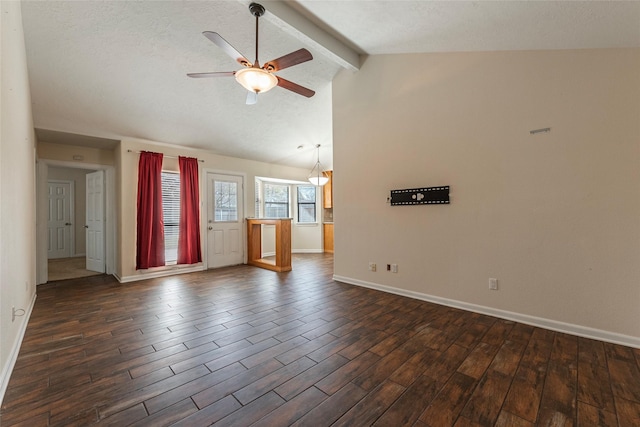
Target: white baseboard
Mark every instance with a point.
(15, 350)
(554, 325)
(167, 271)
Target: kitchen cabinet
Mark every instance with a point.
(327, 191)
(328, 237)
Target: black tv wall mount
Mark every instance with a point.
(421, 196)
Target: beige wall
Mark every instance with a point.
(78, 176)
(65, 153)
(126, 191)
(17, 190)
(555, 217)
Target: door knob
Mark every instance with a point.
(210, 228)
(86, 226)
(67, 223)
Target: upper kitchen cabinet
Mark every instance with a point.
(327, 191)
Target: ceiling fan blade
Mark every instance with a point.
(294, 58)
(294, 87)
(252, 97)
(228, 49)
(213, 74)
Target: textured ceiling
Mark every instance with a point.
(391, 27)
(116, 69)
(113, 69)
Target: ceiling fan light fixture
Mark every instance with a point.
(317, 176)
(253, 78)
(256, 79)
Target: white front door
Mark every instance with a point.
(224, 220)
(60, 221)
(95, 221)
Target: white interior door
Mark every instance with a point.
(95, 221)
(59, 223)
(225, 213)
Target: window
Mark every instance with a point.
(226, 201)
(276, 201)
(171, 214)
(258, 198)
(306, 203)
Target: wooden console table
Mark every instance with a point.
(283, 244)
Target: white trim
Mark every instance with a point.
(307, 251)
(42, 261)
(169, 271)
(15, 350)
(111, 235)
(554, 325)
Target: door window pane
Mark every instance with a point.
(226, 201)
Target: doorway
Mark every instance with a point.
(79, 246)
(225, 220)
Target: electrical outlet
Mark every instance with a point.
(493, 284)
(394, 268)
(372, 266)
(388, 267)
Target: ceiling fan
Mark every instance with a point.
(254, 78)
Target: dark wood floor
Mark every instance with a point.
(244, 346)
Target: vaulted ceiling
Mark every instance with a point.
(114, 69)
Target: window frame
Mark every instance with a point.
(216, 208)
(299, 204)
(260, 202)
(265, 201)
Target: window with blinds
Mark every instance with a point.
(258, 198)
(306, 203)
(171, 213)
(276, 201)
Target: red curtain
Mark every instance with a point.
(189, 251)
(150, 237)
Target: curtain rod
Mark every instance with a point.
(164, 155)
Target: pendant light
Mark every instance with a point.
(317, 175)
